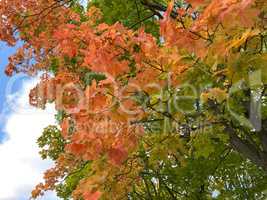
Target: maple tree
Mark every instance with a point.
(167, 102)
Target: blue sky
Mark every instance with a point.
(20, 125)
(5, 52)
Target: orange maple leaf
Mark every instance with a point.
(92, 195)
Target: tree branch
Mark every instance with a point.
(246, 149)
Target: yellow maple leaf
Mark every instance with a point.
(214, 94)
(237, 42)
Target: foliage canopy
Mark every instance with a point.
(156, 99)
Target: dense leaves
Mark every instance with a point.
(155, 99)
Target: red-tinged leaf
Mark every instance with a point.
(10, 68)
(65, 127)
(102, 27)
(117, 155)
(181, 12)
(76, 149)
(92, 195)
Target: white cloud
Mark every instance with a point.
(21, 167)
(84, 3)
